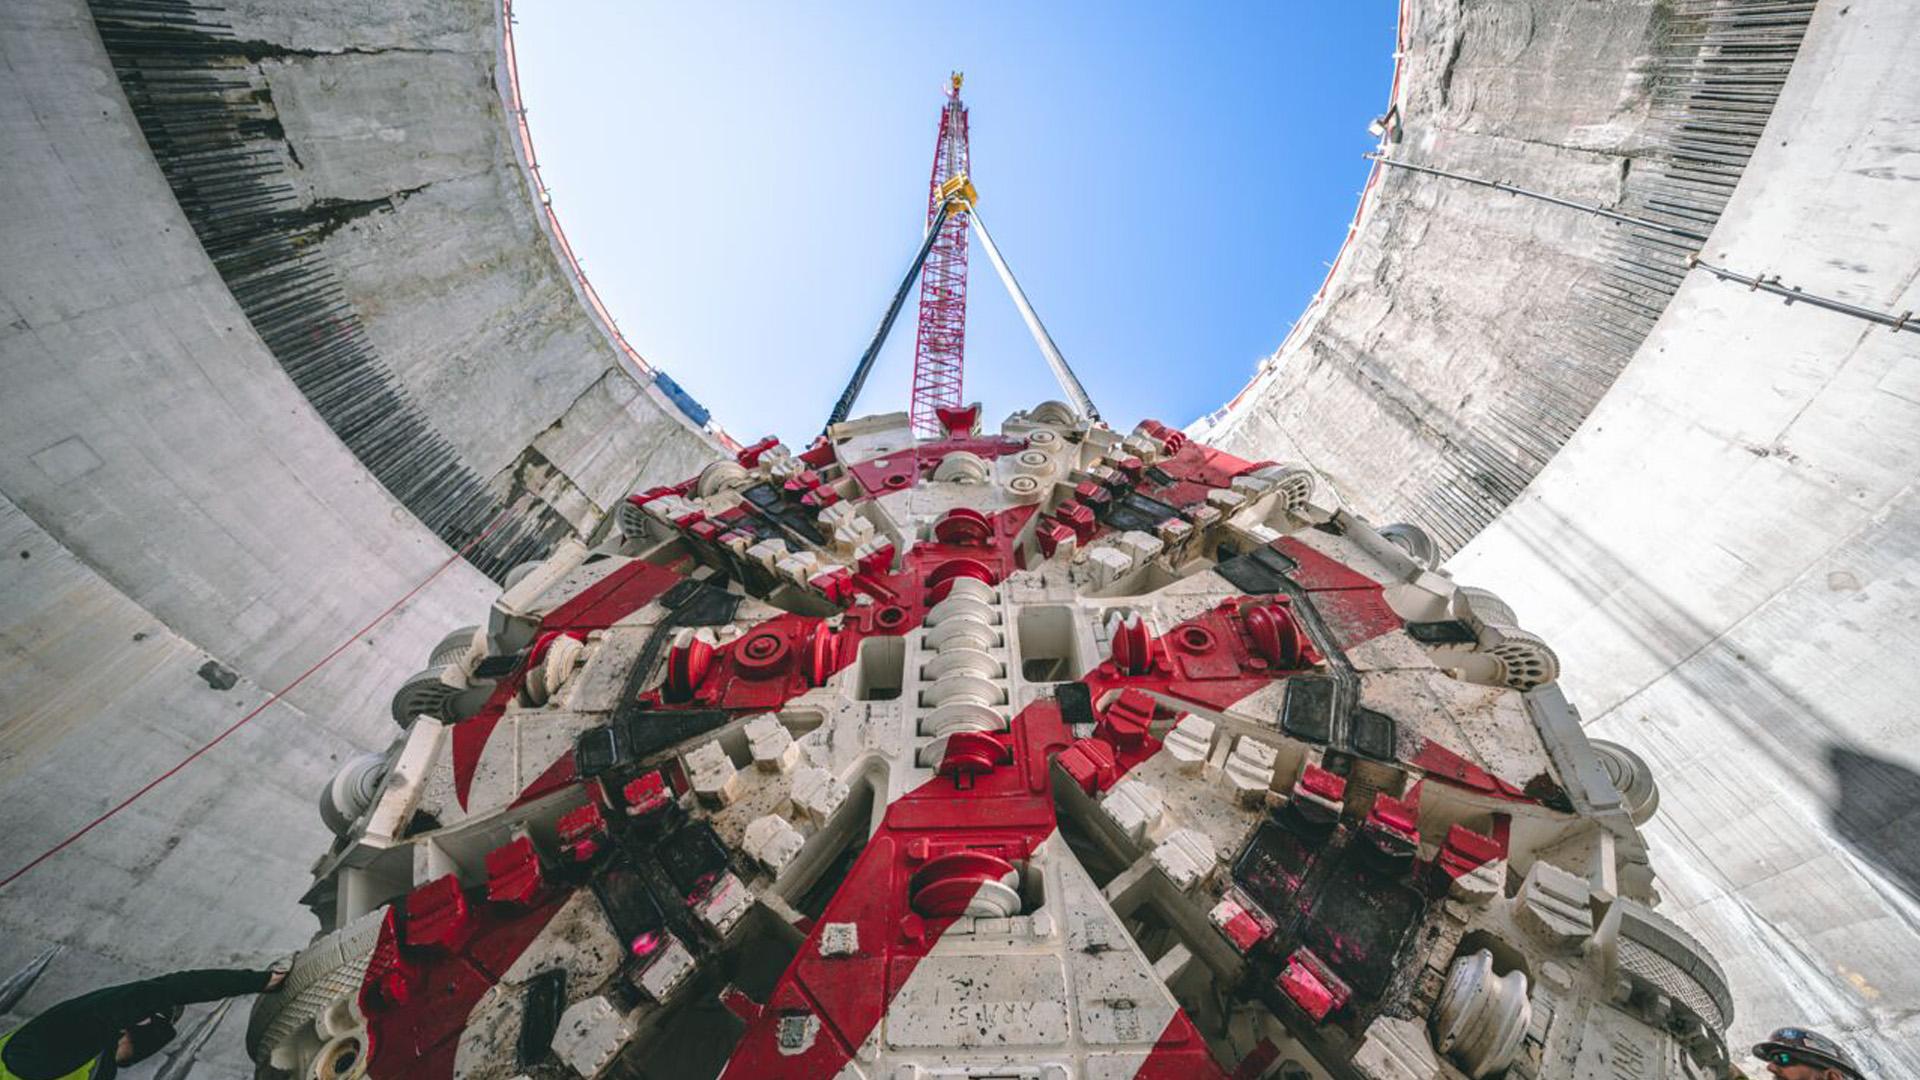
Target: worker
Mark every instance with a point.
(93, 1035)
(1793, 1053)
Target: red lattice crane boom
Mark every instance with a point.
(940, 346)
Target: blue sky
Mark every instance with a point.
(745, 184)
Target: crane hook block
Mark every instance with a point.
(959, 190)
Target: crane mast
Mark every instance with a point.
(940, 345)
(941, 265)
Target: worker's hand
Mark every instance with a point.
(276, 975)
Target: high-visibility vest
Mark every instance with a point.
(81, 1073)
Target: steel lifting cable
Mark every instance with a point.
(1069, 382)
(843, 407)
(507, 514)
(1769, 283)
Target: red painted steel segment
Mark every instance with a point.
(599, 606)
(903, 469)
(983, 814)
(1180, 1054)
(417, 1000)
(1004, 813)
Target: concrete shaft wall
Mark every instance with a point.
(1464, 333)
(176, 490)
(1442, 315)
(1719, 545)
(1727, 557)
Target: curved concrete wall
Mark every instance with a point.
(189, 522)
(1718, 543)
(1726, 557)
(1464, 334)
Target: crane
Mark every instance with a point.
(941, 265)
(939, 350)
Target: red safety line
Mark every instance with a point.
(588, 446)
(56, 849)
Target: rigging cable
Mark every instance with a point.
(1069, 382)
(844, 406)
(507, 514)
